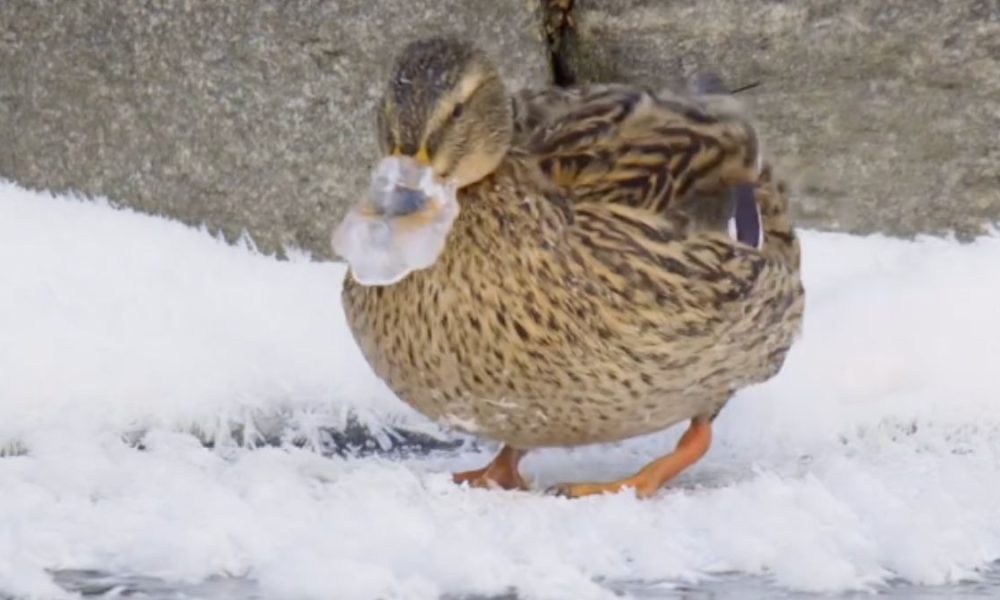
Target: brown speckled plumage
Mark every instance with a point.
(580, 299)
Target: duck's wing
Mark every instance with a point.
(659, 168)
(627, 145)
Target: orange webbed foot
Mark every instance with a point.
(500, 473)
(691, 447)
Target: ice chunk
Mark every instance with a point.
(401, 226)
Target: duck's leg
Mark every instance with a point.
(691, 447)
(501, 472)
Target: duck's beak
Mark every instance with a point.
(403, 186)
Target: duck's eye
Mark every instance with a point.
(457, 111)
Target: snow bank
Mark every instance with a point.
(112, 320)
(874, 456)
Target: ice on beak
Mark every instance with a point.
(401, 225)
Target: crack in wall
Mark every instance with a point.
(558, 26)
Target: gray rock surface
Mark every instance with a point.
(886, 112)
(258, 115)
(255, 115)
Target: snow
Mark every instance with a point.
(117, 321)
(873, 457)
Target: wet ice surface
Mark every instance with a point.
(175, 409)
(722, 587)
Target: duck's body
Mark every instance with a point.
(544, 324)
(577, 301)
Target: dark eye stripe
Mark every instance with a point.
(434, 140)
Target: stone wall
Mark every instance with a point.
(258, 114)
(885, 112)
(255, 114)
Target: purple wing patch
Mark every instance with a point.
(746, 216)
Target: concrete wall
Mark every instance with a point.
(258, 114)
(254, 114)
(886, 112)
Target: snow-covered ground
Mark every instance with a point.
(873, 457)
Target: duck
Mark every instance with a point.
(590, 289)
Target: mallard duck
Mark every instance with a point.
(578, 298)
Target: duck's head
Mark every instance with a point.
(444, 122)
(444, 114)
